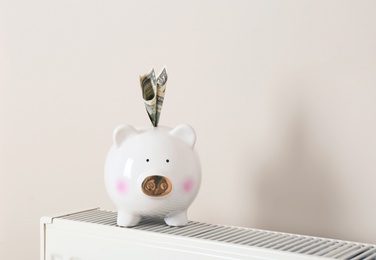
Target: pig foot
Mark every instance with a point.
(125, 219)
(179, 219)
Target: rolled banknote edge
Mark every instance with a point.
(148, 84)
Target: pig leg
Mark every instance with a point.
(126, 219)
(178, 219)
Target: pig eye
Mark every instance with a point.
(167, 160)
(147, 160)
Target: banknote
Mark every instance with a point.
(161, 88)
(148, 86)
(153, 91)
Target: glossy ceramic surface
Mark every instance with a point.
(153, 172)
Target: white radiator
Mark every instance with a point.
(93, 234)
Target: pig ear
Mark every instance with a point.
(185, 133)
(123, 132)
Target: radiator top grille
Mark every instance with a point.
(329, 248)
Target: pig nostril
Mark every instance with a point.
(150, 185)
(163, 186)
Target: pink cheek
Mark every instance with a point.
(121, 186)
(188, 185)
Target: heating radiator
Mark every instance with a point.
(93, 234)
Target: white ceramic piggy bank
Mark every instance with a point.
(153, 172)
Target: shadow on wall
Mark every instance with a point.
(294, 189)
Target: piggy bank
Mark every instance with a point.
(152, 172)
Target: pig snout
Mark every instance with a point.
(156, 186)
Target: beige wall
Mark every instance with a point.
(281, 94)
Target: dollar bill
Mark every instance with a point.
(153, 91)
(148, 86)
(161, 88)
